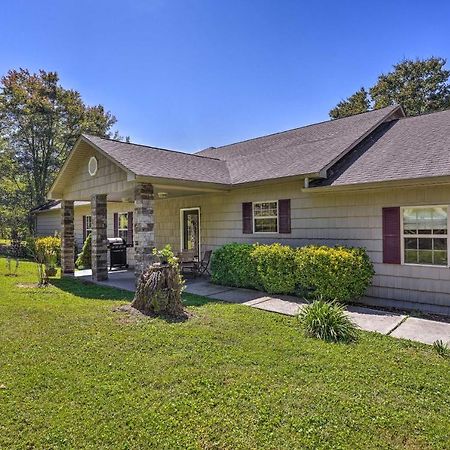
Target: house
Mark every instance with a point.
(377, 180)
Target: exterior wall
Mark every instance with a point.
(109, 177)
(348, 218)
(49, 222)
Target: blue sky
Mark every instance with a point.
(191, 74)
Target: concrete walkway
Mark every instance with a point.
(384, 322)
(368, 319)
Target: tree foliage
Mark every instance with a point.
(420, 86)
(357, 103)
(39, 123)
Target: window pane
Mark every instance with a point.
(425, 220)
(440, 257)
(411, 243)
(266, 225)
(124, 235)
(265, 209)
(123, 221)
(425, 244)
(409, 221)
(425, 257)
(411, 256)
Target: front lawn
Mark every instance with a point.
(77, 374)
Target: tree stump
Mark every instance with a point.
(159, 291)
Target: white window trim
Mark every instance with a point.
(402, 236)
(266, 217)
(196, 208)
(118, 223)
(88, 230)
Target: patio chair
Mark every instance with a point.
(202, 266)
(187, 262)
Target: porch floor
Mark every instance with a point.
(369, 319)
(121, 279)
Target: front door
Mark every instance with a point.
(190, 227)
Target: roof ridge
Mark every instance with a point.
(149, 146)
(296, 128)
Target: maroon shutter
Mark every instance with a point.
(130, 229)
(247, 218)
(116, 225)
(284, 215)
(391, 235)
(84, 228)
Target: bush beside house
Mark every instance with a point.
(329, 273)
(84, 258)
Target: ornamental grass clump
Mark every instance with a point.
(327, 321)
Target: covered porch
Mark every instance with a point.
(97, 173)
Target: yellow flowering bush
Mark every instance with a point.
(47, 250)
(329, 273)
(333, 273)
(275, 265)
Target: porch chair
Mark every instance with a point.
(202, 266)
(186, 261)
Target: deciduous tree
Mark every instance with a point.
(420, 86)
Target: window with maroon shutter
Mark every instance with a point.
(247, 218)
(130, 229)
(391, 235)
(284, 213)
(116, 225)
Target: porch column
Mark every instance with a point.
(99, 242)
(67, 238)
(144, 235)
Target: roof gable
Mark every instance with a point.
(408, 148)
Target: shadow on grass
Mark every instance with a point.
(89, 290)
(198, 300)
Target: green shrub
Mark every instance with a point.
(333, 273)
(47, 250)
(275, 265)
(232, 265)
(84, 260)
(327, 321)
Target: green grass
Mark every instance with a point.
(78, 375)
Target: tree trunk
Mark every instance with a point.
(159, 291)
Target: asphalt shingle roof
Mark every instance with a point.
(161, 163)
(412, 147)
(301, 151)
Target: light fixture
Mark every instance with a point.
(162, 194)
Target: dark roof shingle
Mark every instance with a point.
(161, 163)
(297, 152)
(408, 148)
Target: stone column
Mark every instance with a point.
(99, 242)
(67, 238)
(144, 235)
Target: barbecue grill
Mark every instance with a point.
(117, 252)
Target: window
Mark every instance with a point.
(425, 235)
(88, 225)
(123, 226)
(265, 217)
